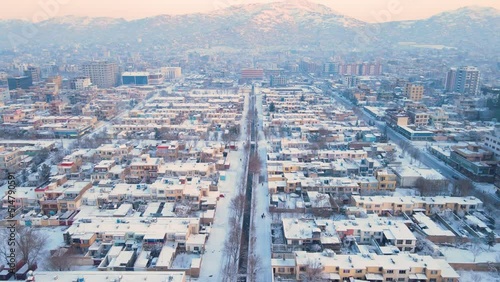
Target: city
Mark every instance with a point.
(276, 141)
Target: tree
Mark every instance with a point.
(405, 146)
(390, 156)
(44, 173)
(475, 248)
(491, 239)
(41, 156)
(61, 259)
(313, 271)
(463, 187)
(254, 164)
(157, 134)
(414, 153)
(272, 107)
(24, 175)
(254, 265)
(237, 204)
(34, 168)
(29, 244)
(431, 187)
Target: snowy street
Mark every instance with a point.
(262, 226)
(214, 259)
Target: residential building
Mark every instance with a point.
(366, 267)
(20, 82)
(103, 74)
(80, 83)
(419, 118)
(386, 180)
(492, 142)
(464, 80)
(414, 92)
(34, 72)
(409, 204)
(10, 159)
(383, 230)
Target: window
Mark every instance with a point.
(390, 271)
(399, 242)
(281, 269)
(434, 272)
(402, 272)
(408, 242)
(302, 268)
(346, 271)
(389, 279)
(359, 271)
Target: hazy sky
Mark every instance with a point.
(366, 10)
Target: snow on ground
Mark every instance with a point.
(84, 268)
(475, 276)
(55, 240)
(213, 260)
(485, 187)
(183, 260)
(404, 192)
(465, 255)
(261, 205)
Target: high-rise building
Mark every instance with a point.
(34, 72)
(364, 69)
(350, 81)
(23, 82)
(414, 92)
(463, 80)
(103, 74)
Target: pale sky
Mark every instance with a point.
(366, 10)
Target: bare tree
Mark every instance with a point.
(414, 154)
(29, 244)
(61, 259)
(463, 187)
(254, 265)
(254, 164)
(390, 156)
(476, 248)
(431, 187)
(405, 146)
(313, 272)
(183, 208)
(237, 204)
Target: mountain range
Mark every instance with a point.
(290, 24)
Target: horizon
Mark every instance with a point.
(375, 11)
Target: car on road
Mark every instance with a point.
(455, 177)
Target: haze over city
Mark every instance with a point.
(128, 9)
(250, 141)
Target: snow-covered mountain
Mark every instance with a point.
(470, 28)
(290, 24)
